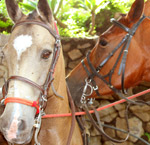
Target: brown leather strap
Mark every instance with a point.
(73, 116)
(37, 23)
(99, 127)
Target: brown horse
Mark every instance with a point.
(120, 58)
(31, 55)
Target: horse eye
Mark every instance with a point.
(103, 42)
(46, 54)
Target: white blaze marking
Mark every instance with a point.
(21, 43)
(16, 90)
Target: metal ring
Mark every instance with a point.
(95, 88)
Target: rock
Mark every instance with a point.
(84, 46)
(94, 132)
(108, 143)
(66, 47)
(125, 143)
(120, 107)
(139, 88)
(147, 127)
(74, 54)
(110, 132)
(122, 113)
(95, 140)
(143, 112)
(108, 114)
(106, 97)
(66, 61)
(73, 64)
(144, 137)
(121, 124)
(135, 128)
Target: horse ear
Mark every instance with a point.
(13, 10)
(45, 11)
(136, 11)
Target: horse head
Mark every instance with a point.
(120, 58)
(30, 52)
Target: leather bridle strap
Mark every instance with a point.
(25, 80)
(99, 127)
(38, 23)
(93, 70)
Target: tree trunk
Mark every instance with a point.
(60, 4)
(93, 23)
(62, 25)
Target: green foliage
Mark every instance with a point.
(148, 136)
(5, 22)
(75, 14)
(3, 8)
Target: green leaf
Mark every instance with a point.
(148, 135)
(34, 4)
(88, 4)
(28, 6)
(53, 5)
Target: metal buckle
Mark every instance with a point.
(85, 94)
(95, 88)
(91, 101)
(44, 98)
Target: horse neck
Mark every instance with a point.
(60, 104)
(56, 130)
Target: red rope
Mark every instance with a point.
(56, 28)
(99, 109)
(23, 101)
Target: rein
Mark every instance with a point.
(88, 112)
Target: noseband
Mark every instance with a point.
(41, 103)
(124, 51)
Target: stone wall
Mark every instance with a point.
(74, 50)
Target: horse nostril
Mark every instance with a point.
(21, 125)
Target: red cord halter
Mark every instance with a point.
(23, 101)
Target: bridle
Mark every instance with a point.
(41, 102)
(94, 72)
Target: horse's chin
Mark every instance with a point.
(20, 140)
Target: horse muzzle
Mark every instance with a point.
(15, 126)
